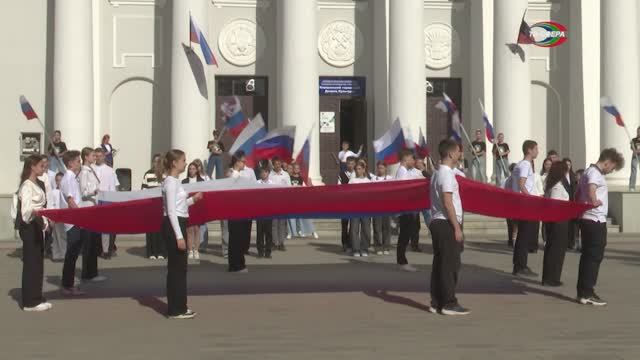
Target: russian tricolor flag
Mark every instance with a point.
(248, 138)
(389, 145)
(421, 148)
(608, 106)
(303, 157)
(447, 106)
(27, 110)
(236, 119)
(196, 36)
(488, 128)
(277, 143)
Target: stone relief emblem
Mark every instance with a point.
(241, 42)
(340, 43)
(441, 45)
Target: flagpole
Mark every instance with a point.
(189, 33)
(473, 151)
(493, 142)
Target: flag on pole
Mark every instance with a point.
(421, 148)
(277, 143)
(303, 157)
(524, 34)
(389, 145)
(236, 120)
(196, 36)
(447, 105)
(488, 128)
(248, 138)
(608, 106)
(27, 109)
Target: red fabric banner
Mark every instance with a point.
(332, 201)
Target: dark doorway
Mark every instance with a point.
(350, 117)
(438, 123)
(251, 91)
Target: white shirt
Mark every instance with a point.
(176, 203)
(593, 176)
(267, 181)
(53, 201)
(32, 198)
(538, 188)
(459, 172)
(444, 181)
(52, 178)
(401, 172)
(248, 173)
(558, 192)
(108, 179)
(350, 175)
(376, 178)
(69, 188)
(358, 180)
(408, 174)
(89, 184)
(46, 180)
(523, 170)
(344, 155)
(280, 178)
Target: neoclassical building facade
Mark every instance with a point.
(338, 69)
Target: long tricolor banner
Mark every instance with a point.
(228, 199)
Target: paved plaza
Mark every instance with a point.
(312, 302)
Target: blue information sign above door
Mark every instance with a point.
(342, 86)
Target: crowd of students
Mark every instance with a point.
(86, 173)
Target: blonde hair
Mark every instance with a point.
(167, 162)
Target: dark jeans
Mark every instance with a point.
(510, 225)
(264, 236)
(92, 246)
(446, 264)
(534, 239)
(382, 232)
(346, 239)
(215, 161)
(594, 240)
(74, 247)
(176, 269)
(407, 224)
(526, 235)
(155, 245)
(239, 237)
(415, 237)
(554, 250)
(32, 264)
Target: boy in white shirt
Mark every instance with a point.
(407, 222)
(593, 189)
(279, 177)
(108, 182)
(264, 231)
(446, 232)
(523, 181)
(59, 243)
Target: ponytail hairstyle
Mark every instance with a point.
(167, 163)
(29, 162)
(86, 151)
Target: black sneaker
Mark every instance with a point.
(282, 248)
(552, 283)
(526, 272)
(260, 254)
(267, 256)
(510, 243)
(416, 248)
(594, 300)
(454, 310)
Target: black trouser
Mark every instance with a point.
(526, 231)
(91, 247)
(415, 237)
(74, 247)
(264, 236)
(346, 240)
(112, 242)
(176, 268)
(510, 225)
(573, 227)
(535, 235)
(247, 244)
(32, 264)
(382, 232)
(554, 250)
(446, 264)
(48, 241)
(594, 240)
(407, 223)
(155, 245)
(239, 236)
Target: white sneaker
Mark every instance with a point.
(160, 257)
(378, 252)
(288, 237)
(152, 257)
(356, 254)
(49, 305)
(408, 268)
(191, 254)
(315, 235)
(364, 254)
(386, 252)
(196, 255)
(99, 278)
(190, 314)
(39, 307)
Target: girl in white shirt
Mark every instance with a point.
(204, 228)
(59, 243)
(193, 231)
(360, 227)
(557, 233)
(382, 224)
(176, 214)
(32, 199)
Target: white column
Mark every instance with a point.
(189, 108)
(380, 67)
(73, 73)
(620, 75)
(511, 78)
(487, 72)
(407, 80)
(298, 99)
